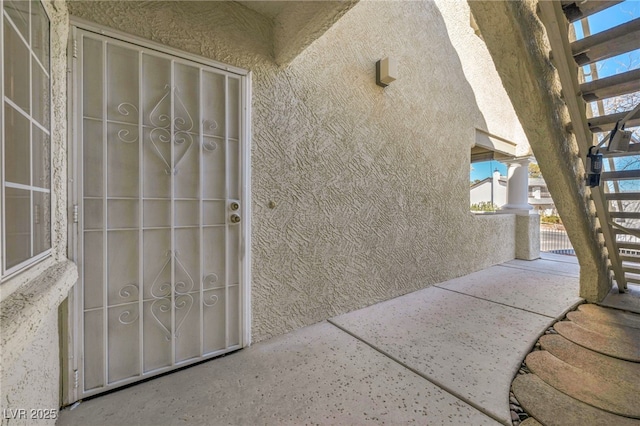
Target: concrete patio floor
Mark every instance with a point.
(443, 355)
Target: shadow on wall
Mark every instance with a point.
(371, 184)
(359, 193)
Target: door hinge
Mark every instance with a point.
(75, 213)
(75, 47)
(75, 379)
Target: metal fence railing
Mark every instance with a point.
(554, 239)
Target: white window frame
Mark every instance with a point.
(6, 273)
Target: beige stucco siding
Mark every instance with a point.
(370, 185)
(32, 382)
(495, 114)
(359, 194)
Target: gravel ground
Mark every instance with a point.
(518, 415)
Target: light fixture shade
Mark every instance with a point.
(620, 141)
(386, 71)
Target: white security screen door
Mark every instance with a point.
(161, 148)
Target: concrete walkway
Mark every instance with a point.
(443, 355)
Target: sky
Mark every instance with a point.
(614, 16)
(611, 17)
(485, 169)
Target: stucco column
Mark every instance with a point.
(518, 186)
(527, 219)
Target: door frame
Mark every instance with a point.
(71, 349)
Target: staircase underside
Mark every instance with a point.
(566, 108)
(598, 104)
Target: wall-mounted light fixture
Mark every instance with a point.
(619, 139)
(594, 167)
(386, 71)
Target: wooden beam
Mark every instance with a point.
(629, 246)
(605, 123)
(633, 280)
(631, 270)
(623, 196)
(634, 149)
(628, 231)
(624, 215)
(623, 230)
(621, 175)
(608, 87)
(607, 44)
(575, 10)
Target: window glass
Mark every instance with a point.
(18, 11)
(16, 146)
(40, 95)
(17, 224)
(16, 68)
(41, 211)
(40, 34)
(41, 160)
(26, 136)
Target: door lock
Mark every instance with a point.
(235, 218)
(234, 206)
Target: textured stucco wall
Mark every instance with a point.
(495, 113)
(222, 30)
(370, 185)
(33, 381)
(29, 301)
(528, 237)
(300, 23)
(518, 43)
